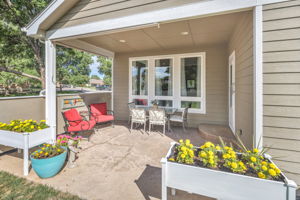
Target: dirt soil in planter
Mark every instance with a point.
(220, 167)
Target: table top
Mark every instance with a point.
(168, 110)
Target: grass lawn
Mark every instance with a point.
(15, 188)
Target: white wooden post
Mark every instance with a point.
(50, 63)
(258, 76)
(164, 191)
(25, 153)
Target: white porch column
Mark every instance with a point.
(50, 63)
(258, 76)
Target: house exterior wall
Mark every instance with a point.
(87, 11)
(216, 84)
(242, 43)
(281, 70)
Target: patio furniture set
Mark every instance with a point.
(83, 121)
(156, 116)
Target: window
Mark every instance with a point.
(173, 80)
(139, 77)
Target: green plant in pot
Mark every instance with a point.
(48, 160)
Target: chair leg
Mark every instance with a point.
(164, 129)
(149, 128)
(145, 127)
(131, 126)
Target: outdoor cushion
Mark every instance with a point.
(73, 115)
(104, 118)
(82, 126)
(98, 109)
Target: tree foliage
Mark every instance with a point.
(105, 69)
(24, 56)
(96, 77)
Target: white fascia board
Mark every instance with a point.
(272, 1)
(32, 29)
(87, 47)
(200, 8)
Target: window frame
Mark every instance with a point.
(176, 97)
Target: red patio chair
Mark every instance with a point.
(101, 114)
(75, 123)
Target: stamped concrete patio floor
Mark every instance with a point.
(115, 164)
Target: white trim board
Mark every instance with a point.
(258, 76)
(201, 8)
(85, 46)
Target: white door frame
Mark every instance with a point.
(231, 96)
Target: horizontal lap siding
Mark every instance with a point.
(91, 11)
(216, 84)
(242, 43)
(282, 85)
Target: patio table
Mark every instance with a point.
(169, 111)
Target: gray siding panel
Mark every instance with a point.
(282, 85)
(242, 43)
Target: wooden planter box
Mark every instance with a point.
(222, 185)
(25, 141)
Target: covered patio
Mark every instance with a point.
(111, 154)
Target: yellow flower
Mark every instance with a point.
(183, 148)
(48, 145)
(58, 150)
(218, 148)
(182, 155)
(191, 146)
(211, 162)
(210, 153)
(261, 175)
(41, 152)
(46, 154)
(277, 171)
(264, 163)
(171, 159)
(253, 159)
(43, 120)
(187, 142)
(203, 154)
(272, 172)
(255, 150)
(234, 165)
(43, 148)
(272, 166)
(32, 127)
(264, 168)
(181, 141)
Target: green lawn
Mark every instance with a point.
(15, 188)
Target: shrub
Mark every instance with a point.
(23, 126)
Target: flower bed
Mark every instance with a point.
(24, 135)
(220, 172)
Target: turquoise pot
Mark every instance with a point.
(46, 168)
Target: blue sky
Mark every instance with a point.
(94, 67)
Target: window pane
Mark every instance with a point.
(190, 77)
(163, 77)
(165, 103)
(191, 104)
(140, 77)
(140, 102)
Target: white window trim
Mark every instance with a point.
(176, 97)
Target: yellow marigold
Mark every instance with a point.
(272, 172)
(210, 153)
(211, 162)
(272, 166)
(261, 175)
(191, 146)
(182, 155)
(181, 141)
(43, 148)
(41, 151)
(253, 159)
(264, 168)
(264, 163)
(218, 148)
(278, 171)
(32, 127)
(187, 142)
(58, 150)
(183, 148)
(203, 154)
(171, 159)
(234, 165)
(255, 150)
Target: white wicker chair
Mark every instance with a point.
(157, 117)
(138, 116)
(131, 105)
(179, 119)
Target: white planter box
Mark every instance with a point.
(25, 141)
(222, 185)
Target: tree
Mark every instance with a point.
(94, 76)
(105, 69)
(24, 56)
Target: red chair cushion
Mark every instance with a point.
(104, 118)
(82, 126)
(73, 115)
(98, 109)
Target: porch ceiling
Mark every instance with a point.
(201, 31)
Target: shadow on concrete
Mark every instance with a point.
(149, 182)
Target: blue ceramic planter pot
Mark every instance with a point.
(46, 168)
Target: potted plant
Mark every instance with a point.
(25, 134)
(154, 103)
(72, 143)
(221, 172)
